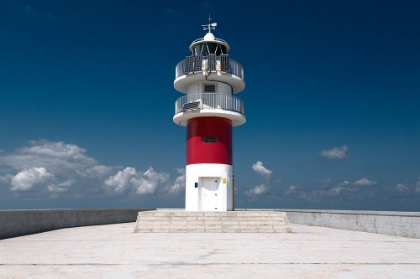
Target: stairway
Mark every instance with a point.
(212, 222)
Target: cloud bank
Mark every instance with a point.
(57, 169)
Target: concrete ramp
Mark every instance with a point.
(212, 222)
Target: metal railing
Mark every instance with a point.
(209, 101)
(235, 67)
(216, 39)
(180, 69)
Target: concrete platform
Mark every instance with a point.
(115, 251)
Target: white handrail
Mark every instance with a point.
(211, 101)
(236, 68)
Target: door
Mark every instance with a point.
(209, 193)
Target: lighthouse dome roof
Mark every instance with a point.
(209, 37)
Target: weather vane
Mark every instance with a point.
(210, 25)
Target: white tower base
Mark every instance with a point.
(209, 187)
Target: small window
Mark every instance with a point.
(209, 88)
(209, 139)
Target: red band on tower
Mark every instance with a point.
(209, 140)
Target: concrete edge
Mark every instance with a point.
(15, 223)
(355, 212)
(401, 224)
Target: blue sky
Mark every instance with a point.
(331, 100)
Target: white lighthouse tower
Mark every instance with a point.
(209, 110)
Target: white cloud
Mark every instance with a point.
(28, 178)
(257, 190)
(342, 187)
(335, 191)
(179, 186)
(335, 153)
(58, 157)
(364, 182)
(149, 184)
(98, 171)
(296, 191)
(400, 187)
(129, 180)
(327, 190)
(62, 187)
(120, 182)
(56, 150)
(144, 186)
(344, 183)
(292, 189)
(265, 180)
(418, 186)
(261, 170)
(327, 182)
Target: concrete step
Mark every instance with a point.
(215, 222)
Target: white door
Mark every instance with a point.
(209, 193)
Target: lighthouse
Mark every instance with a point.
(209, 110)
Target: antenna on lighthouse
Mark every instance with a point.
(210, 25)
